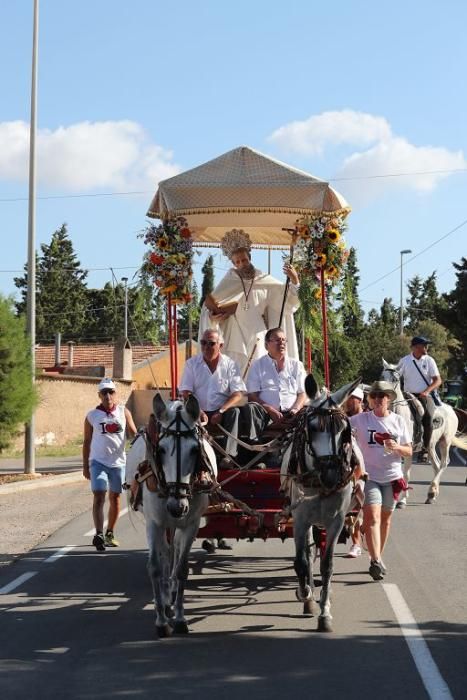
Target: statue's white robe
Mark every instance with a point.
(244, 331)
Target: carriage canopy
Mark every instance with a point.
(245, 189)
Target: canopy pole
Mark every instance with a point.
(325, 330)
(287, 283)
(308, 355)
(171, 346)
(175, 350)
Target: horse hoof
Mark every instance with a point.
(305, 596)
(208, 546)
(324, 624)
(430, 500)
(163, 631)
(180, 627)
(400, 505)
(308, 607)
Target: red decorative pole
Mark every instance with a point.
(175, 351)
(308, 355)
(325, 330)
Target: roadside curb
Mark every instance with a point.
(41, 483)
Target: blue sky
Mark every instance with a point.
(371, 96)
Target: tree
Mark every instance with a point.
(61, 290)
(17, 395)
(350, 309)
(190, 313)
(452, 315)
(208, 278)
(424, 301)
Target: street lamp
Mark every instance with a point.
(401, 312)
(125, 281)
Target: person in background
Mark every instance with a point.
(104, 459)
(421, 376)
(384, 440)
(352, 407)
(247, 302)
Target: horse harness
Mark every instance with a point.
(151, 470)
(332, 472)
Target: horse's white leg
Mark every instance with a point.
(182, 543)
(404, 495)
(439, 465)
(326, 568)
(303, 563)
(157, 570)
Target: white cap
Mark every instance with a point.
(107, 383)
(358, 393)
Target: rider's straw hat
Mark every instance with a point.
(383, 387)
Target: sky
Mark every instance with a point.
(369, 96)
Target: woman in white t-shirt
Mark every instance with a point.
(384, 439)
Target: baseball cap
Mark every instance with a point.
(420, 340)
(358, 393)
(107, 383)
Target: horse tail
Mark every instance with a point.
(460, 441)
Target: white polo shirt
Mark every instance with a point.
(278, 389)
(413, 382)
(212, 389)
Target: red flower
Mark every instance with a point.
(156, 259)
(185, 232)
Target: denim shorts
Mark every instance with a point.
(106, 478)
(379, 495)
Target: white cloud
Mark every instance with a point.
(312, 135)
(86, 156)
(384, 161)
(403, 165)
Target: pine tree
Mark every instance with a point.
(424, 301)
(17, 395)
(189, 313)
(208, 278)
(452, 315)
(61, 290)
(350, 309)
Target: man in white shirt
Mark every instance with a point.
(276, 381)
(216, 382)
(421, 376)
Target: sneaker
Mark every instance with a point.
(354, 552)
(384, 569)
(98, 542)
(110, 540)
(375, 571)
(222, 544)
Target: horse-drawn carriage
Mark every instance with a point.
(279, 207)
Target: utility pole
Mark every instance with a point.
(125, 281)
(29, 435)
(401, 309)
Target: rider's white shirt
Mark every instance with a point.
(413, 382)
(211, 389)
(278, 389)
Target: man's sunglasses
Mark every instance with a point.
(104, 392)
(211, 343)
(379, 395)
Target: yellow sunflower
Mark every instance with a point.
(333, 235)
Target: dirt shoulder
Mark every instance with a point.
(28, 517)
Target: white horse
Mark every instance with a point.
(316, 471)
(174, 511)
(445, 424)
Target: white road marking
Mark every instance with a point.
(17, 582)
(92, 532)
(432, 679)
(59, 553)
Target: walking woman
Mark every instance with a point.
(384, 440)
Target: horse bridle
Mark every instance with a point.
(335, 459)
(177, 489)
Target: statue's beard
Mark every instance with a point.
(246, 273)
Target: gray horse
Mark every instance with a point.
(316, 473)
(173, 511)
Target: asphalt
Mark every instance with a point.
(59, 470)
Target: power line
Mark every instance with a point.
(408, 260)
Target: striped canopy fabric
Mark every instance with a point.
(245, 189)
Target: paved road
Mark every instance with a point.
(82, 625)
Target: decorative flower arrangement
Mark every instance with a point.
(169, 259)
(318, 246)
